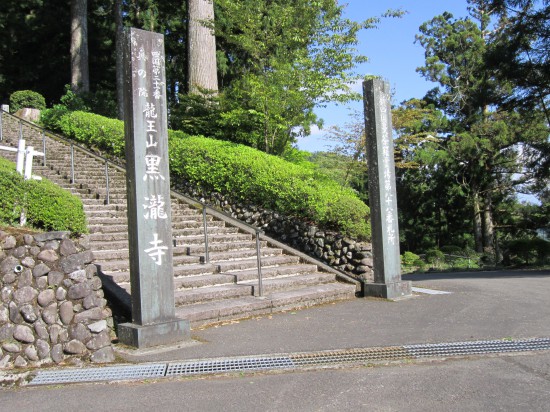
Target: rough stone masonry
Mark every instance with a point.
(52, 308)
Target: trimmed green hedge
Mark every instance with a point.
(240, 171)
(26, 99)
(270, 181)
(47, 206)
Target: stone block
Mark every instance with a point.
(48, 255)
(24, 334)
(66, 313)
(74, 347)
(46, 297)
(40, 270)
(56, 353)
(103, 355)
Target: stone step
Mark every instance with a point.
(124, 254)
(200, 314)
(243, 253)
(274, 271)
(270, 285)
(194, 269)
(124, 265)
(179, 229)
(244, 264)
(198, 231)
(108, 245)
(215, 238)
(96, 238)
(201, 281)
(217, 292)
(108, 229)
(224, 247)
(178, 221)
(95, 203)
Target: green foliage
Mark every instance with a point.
(277, 60)
(452, 250)
(435, 257)
(101, 102)
(528, 251)
(26, 99)
(96, 131)
(477, 155)
(520, 53)
(239, 171)
(46, 205)
(248, 174)
(420, 264)
(409, 258)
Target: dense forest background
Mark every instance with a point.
(468, 153)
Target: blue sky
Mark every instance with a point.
(392, 54)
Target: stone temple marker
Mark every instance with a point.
(382, 194)
(148, 186)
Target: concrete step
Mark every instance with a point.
(218, 292)
(289, 282)
(96, 238)
(225, 238)
(206, 313)
(224, 247)
(201, 281)
(124, 254)
(274, 271)
(244, 264)
(124, 264)
(243, 254)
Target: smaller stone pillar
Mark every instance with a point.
(382, 194)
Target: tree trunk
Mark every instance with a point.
(80, 72)
(478, 230)
(201, 47)
(119, 58)
(488, 227)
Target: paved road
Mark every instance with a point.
(480, 306)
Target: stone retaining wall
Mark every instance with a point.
(52, 308)
(342, 253)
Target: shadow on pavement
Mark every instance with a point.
(522, 273)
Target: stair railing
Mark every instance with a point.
(258, 234)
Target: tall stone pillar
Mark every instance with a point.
(382, 194)
(148, 188)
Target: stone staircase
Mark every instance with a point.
(224, 288)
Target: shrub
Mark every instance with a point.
(101, 102)
(94, 130)
(452, 250)
(409, 258)
(47, 206)
(251, 175)
(528, 250)
(435, 256)
(239, 171)
(26, 99)
(420, 264)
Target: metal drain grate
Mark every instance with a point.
(229, 365)
(290, 361)
(477, 347)
(352, 355)
(111, 373)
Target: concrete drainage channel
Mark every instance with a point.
(288, 361)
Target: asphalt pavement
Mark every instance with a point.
(504, 305)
